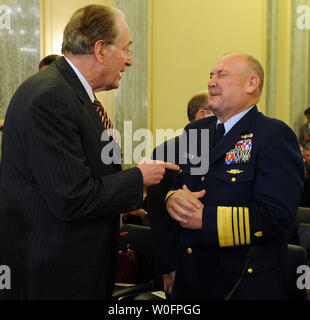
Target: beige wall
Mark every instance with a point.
(188, 39)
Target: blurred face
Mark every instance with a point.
(118, 57)
(43, 67)
(307, 156)
(308, 118)
(228, 87)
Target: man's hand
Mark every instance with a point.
(168, 279)
(184, 207)
(154, 170)
(137, 213)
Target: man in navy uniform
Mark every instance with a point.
(236, 216)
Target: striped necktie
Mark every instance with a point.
(105, 119)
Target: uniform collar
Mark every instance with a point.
(234, 119)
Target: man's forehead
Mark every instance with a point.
(229, 63)
(125, 31)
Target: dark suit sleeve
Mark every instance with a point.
(165, 231)
(277, 186)
(53, 144)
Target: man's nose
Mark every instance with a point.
(211, 82)
(129, 61)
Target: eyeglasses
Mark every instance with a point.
(219, 74)
(128, 52)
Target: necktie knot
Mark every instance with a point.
(220, 128)
(219, 133)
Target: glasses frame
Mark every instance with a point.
(128, 52)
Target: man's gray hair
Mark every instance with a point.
(88, 25)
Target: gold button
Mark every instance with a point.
(250, 270)
(180, 171)
(233, 179)
(189, 251)
(203, 179)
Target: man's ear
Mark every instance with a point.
(253, 84)
(100, 50)
(200, 114)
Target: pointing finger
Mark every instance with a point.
(170, 166)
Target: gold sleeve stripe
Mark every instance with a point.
(224, 227)
(169, 194)
(233, 226)
(247, 226)
(235, 222)
(241, 226)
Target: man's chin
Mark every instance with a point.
(212, 107)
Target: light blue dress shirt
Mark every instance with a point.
(233, 120)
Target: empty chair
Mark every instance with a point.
(139, 239)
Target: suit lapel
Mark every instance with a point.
(228, 141)
(75, 83)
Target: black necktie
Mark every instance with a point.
(220, 130)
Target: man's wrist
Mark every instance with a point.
(169, 194)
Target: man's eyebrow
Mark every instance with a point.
(218, 72)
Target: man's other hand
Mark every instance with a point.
(185, 207)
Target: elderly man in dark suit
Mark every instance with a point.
(234, 218)
(69, 192)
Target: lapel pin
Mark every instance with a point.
(247, 136)
(235, 171)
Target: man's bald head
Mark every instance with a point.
(251, 66)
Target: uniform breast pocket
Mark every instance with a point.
(235, 184)
(236, 174)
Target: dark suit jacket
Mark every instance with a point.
(53, 172)
(164, 230)
(13, 233)
(253, 188)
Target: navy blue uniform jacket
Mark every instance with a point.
(253, 187)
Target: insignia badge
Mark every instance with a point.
(235, 171)
(241, 153)
(247, 136)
